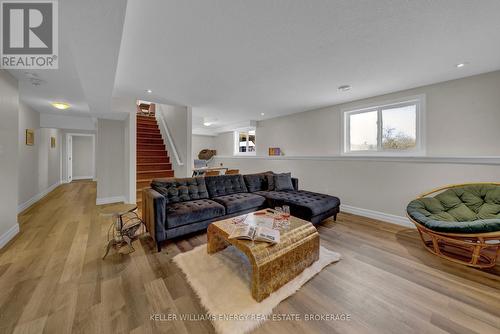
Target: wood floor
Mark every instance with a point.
(52, 280)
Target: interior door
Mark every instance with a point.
(70, 158)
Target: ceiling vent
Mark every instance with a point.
(34, 79)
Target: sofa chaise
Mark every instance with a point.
(174, 207)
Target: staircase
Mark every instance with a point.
(152, 157)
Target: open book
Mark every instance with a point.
(256, 233)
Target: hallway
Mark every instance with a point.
(52, 278)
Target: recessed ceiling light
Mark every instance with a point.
(344, 88)
(460, 65)
(207, 123)
(60, 105)
(149, 91)
(262, 114)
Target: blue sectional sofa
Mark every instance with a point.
(174, 207)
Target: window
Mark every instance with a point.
(244, 142)
(388, 129)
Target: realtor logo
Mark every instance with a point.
(29, 36)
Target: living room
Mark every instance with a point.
(250, 167)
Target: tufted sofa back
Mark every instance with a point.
(225, 185)
(257, 182)
(181, 189)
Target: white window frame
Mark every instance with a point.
(419, 150)
(237, 141)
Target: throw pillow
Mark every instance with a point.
(270, 181)
(283, 182)
(256, 182)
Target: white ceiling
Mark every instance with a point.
(232, 60)
(90, 33)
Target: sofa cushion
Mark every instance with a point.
(256, 182)
(182, 213)
(181, 189)
(283, 182)
(464, 209)
(303, 204)
(225, 185)
(271, 180)
(239, 202)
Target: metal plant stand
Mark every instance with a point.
(123, 229)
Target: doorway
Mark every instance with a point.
(80, 156)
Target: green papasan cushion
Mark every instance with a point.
(467, 209)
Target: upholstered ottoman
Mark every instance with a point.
(306, 205)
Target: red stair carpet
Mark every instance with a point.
(152, 157)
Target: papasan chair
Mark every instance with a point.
(460, 223)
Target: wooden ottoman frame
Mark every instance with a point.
(479, 250)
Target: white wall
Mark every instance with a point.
(83, 157)
(200, 142)
(224, 143)
(382, 186)
(130, 125)
(39, 165)
(178, 120)
(462, 119)
(9, 114)
(110, 161)
(61, 121)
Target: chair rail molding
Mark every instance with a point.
(461, 160)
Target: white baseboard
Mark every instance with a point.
(37, 197)
(83, 178)
(7, 236)
(386, 217)
(109, 200)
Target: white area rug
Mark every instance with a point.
(222, 282)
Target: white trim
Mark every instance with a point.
(69, 152)
(420, 149)
(109, 200)
(83, 178)
(170, 144)
(460, 160)
(70, 149)
(37, 197)
(60, 139)
(386, 217)
(236, 137)
(7, 236)
(132, 157)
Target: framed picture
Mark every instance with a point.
(30, 137)
(273, 151)
(52, 142)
